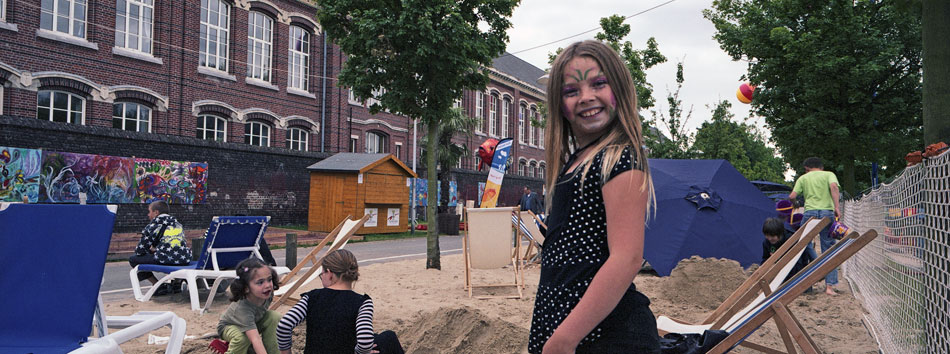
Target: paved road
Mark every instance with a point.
(116, 284)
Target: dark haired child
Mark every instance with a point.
(775, 237)
(247, 324)
(339, 320)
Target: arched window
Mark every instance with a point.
(213, 43)
(479, 111)
(540, 137)
(506, 106)
(493, 116)
(532, 167)
(59, 106)
(131, 116)
(211, 127)
(297, 139)
(257, 133)
(522, 115)
(522, 167)
(375, 143)
(299, 58)
(260, 40)
(541, 170)
(531, 128)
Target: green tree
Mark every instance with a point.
(836, 79)
(679, 144)
(421, 55)
(738, 143)
(936, 63)
(449, 153)
(638, 61)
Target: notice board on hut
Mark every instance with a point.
(358, 184)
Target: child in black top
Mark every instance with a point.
(599, 203)
(339, 320)
(775, 236)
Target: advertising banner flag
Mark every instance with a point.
(499, 164)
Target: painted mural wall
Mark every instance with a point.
(62, 177)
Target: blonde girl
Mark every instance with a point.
(598, 205)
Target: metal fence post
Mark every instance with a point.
(291, 257)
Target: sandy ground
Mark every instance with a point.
(431, 312)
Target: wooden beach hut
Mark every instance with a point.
(357, 184)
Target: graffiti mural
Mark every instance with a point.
(177, 182)
(104, 179)
(19, 174)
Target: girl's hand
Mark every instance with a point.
(558, 345)
(374, 351)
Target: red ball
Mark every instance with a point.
(745, 92)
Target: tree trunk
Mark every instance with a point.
(936, 62)
(432, 236)
(848, 182)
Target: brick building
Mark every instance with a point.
(246, 85)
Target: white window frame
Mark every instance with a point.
(532, 167)
(263, 135)
(138, 121)
(493, 115)
(479, 111)
(505, 107)
(75, 17)
(354, 142)
(70, 111)
(541, 170)
(260, 65)
(540, 137)
(375, 143)
(3, 18)
(298, 139)
(522, 167)
(531, 141)
(522, 111)
(142, 26)
(398, 150)
(222, 12)
(298, 58)
(457, 103)
(204, 132)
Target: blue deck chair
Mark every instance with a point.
(776, 305)
(52, 259)
(230, 240)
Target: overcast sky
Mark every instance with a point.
(680, 30)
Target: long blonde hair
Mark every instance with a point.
(621, 132)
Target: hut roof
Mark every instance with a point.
(356, 163)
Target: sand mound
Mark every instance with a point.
(462, 330)
(703, 282)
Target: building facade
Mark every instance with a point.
(246, 85)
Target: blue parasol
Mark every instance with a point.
(705, 208)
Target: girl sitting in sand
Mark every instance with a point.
(339, 320)
(599, 202)
(247, 323)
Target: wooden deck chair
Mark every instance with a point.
(766, 279)
(340, 236)
(776, 305)
(54, 256)
(528, 227)
(488, 244)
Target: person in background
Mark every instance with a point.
(163, 242)
(775, 236)
(820, 189)
(530, 201)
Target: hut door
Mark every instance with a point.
(336, 203)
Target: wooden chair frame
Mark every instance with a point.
(515, 264)
(316, 263)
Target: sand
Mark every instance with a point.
(431, 312)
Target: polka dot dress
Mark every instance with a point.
(575, 247)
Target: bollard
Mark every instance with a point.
(291, 258)
(197, 245)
